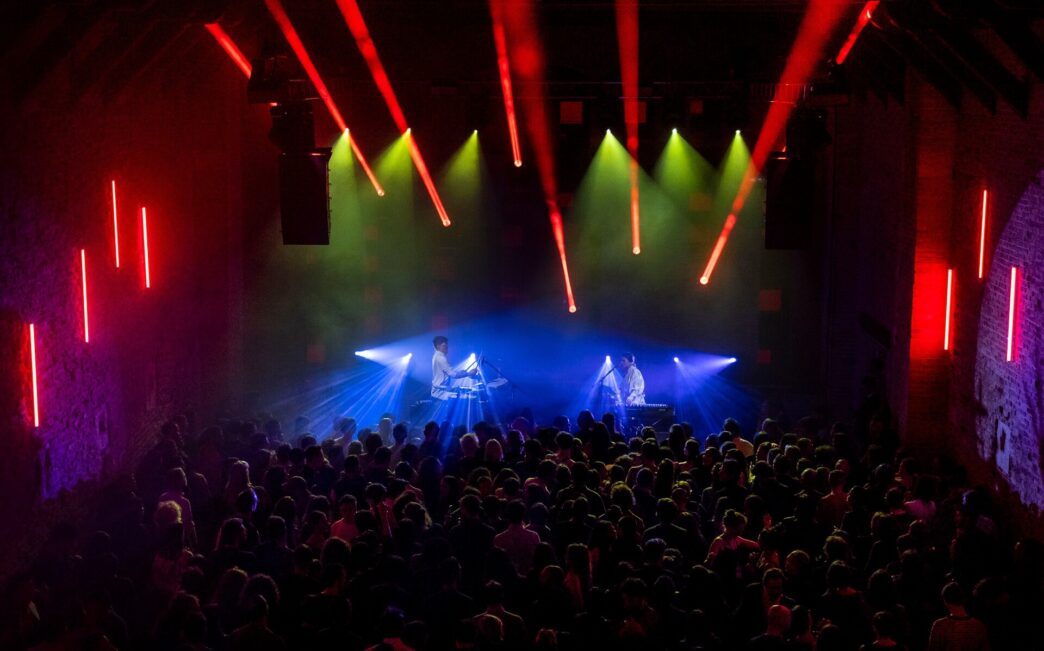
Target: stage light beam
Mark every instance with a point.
(730, 222)
(115, 225)
(816, 26)
(861, 22)
(627, 39)
(83, 282)
(353, 18)
(521, 27)
(32, 361)
(230, 47)
(275, 7)
(504, 69)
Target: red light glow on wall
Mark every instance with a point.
(949, 309)
(32, 361)
(115, 225)
(83, 283)
(982, 234)
(230, 47)
(1013, 306)
(145, 247)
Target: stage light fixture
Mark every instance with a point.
(732, 360)
(675, 130)
(608, 359)
(676, 360)
(738, 134)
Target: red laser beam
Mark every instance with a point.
(719, 246)
(230, 47)
(32, 360)
(528, 61)
(627, 37)
(504, 68)
(819, 21)
(357, 26)
(949, 308)
(115, 225)
(275, 7)
(145, 248)
(422, 169)
(982, 235)
(861, 22)
(1012, 307)
(83, 282)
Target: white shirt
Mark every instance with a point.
(635, 387)
(441, 374)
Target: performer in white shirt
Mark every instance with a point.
(442, 373)
(634, 380)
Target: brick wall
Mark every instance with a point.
(172, 140)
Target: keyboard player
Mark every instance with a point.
(634, 395)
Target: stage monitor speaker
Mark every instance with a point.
(789, 192)
(304, 197)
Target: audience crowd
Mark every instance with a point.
(241, 536)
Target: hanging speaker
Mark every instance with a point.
(304, 196)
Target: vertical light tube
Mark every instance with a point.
(32, 359)
(83, 282)
(145, 247)
(982, 234)
(1012, 306)
(115, 225)
(949, 308)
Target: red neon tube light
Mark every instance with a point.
(32, 360)
(230, 47)
(949, 308)
(730, 221)
(83, 279)
(1012, 307)
(864, 17)
(145, 247)
(982, 235)
(275, 7)
(115, 225)
(504, 67)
